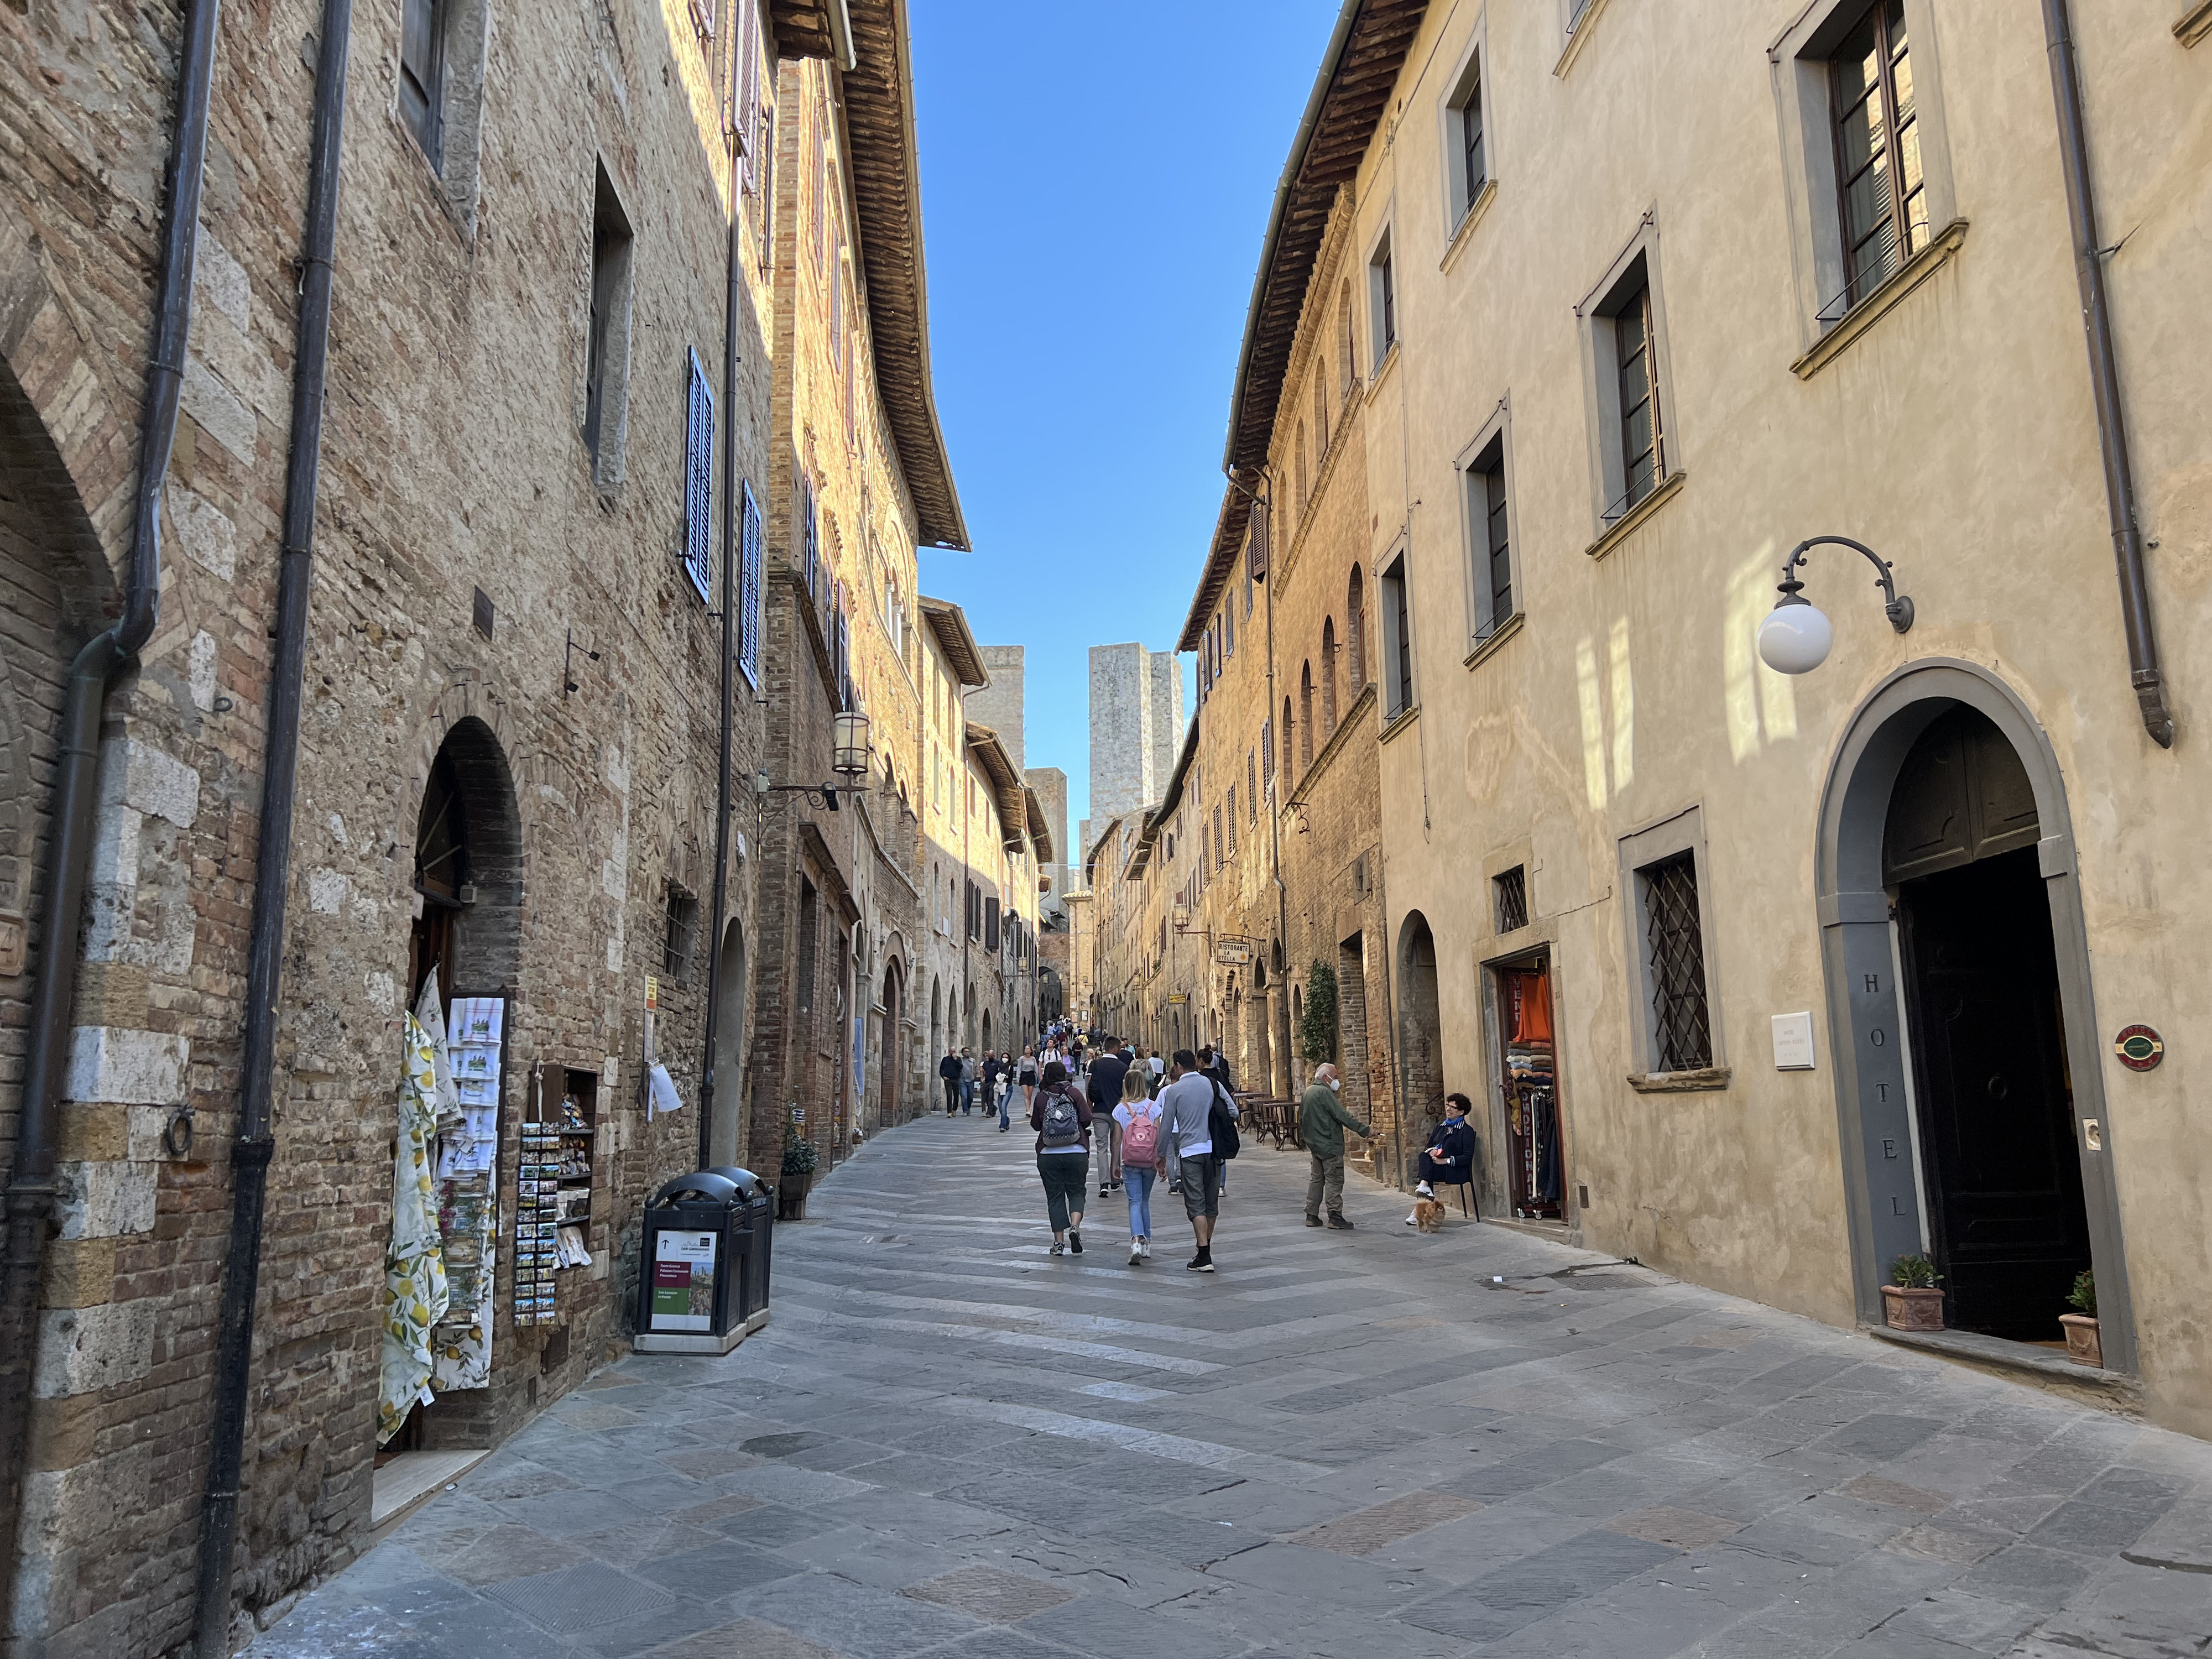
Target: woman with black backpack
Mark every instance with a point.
(1062, 1117)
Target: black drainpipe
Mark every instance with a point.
(251, 1149)
(715, 965)
(2144, 673)
(32, 1187)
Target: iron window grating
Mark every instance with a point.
(1510, 898)
(683, 935)
(1674, 951)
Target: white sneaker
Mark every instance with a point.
(1423, 1189)
(1413, 1220)
(1145, 1245)
(1136, 1254)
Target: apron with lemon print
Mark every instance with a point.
(414, 1270)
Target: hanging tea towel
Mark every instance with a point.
(414, 1269)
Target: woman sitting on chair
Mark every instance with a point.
(1448, 1159)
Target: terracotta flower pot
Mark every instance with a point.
(2083, 1346)
(1912, 1310)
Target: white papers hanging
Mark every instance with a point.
(662, 1097)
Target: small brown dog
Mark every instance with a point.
(1428, 1215)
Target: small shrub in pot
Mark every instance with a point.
(1911, 1301)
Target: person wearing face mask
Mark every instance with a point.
(1321, 1123)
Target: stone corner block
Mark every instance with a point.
(114, 1065)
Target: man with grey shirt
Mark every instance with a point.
(1187, 1104)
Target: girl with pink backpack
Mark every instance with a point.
(1144, 1157)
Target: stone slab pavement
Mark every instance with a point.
(1368, 1445)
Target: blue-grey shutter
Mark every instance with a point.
(749, 591)
(699, 481)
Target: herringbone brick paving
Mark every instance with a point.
(1372, 1445)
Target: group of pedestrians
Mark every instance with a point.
(1147, 1119)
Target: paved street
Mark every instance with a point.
(1360, 1445)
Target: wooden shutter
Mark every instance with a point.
(1258, 543)
(699, 481)
(749, 591)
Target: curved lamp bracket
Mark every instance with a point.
(1896, 606)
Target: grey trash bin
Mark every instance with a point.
(696, 1266)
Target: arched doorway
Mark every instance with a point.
(727, 1135)
(1970, 1105)
(987, 1030)
(936, 1020)
(891, 1046)
(467, 869)
(1421, 1034)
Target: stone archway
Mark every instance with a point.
(468, 868)
(890, 1048)
(1420, 1093)
(1869, 1025)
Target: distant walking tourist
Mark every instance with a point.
(1448, 1158)
(1137, 1122)
(1025, 1073)
(1061, 1118)
(1108, 1073)
(1201, 1123)
(948, 1073)
(1321, 1123)
(993, 1067)
(967, 1080)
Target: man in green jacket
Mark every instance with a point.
(1321, 1123)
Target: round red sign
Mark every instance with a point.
(2139, 1048)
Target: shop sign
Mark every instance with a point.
(2139, 1048)
(1233, 952)
(1177, 997)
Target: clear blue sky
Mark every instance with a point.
(1095, 181)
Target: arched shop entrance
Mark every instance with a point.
(1968, 1088)
(466, 940)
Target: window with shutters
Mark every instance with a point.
(1466, 134)
(1305, 714)
(1328, 677)
(703, 17)
(1347, 369)
(1382, 302)
(809, 908)
(1879, 177)
(699, 480)
(1268, 743)
(423, 73)
(1231, 800)
(1626, 343)
(606, 346)
(1397, 641)
(1252, 783)
(1495, 599)
(990, 924)
(749, 589)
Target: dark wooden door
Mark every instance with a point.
(2004, 1180)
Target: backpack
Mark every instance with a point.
(1221, 1128)
(1140, 1141)
(1061, 1127)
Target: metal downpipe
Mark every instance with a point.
(32, 1187)
(2145, 675)
(708, 1080)
(254, 1144)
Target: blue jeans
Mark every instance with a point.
(967, 1098)
(1138, 1184)
(1006, 1101)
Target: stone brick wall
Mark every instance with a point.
(998, 705)
(451, 464)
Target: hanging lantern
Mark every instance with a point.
(851, 759)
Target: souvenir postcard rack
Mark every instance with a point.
(553, 1189)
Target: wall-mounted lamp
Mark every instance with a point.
(850, 755)
(1797, 635)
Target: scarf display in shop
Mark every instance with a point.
(415, 1294)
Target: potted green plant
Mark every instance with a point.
(1910, 1300)
(798, 1161)
(2083, 1346)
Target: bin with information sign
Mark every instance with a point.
(699, 1290)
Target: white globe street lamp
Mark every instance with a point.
(1796, 635)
